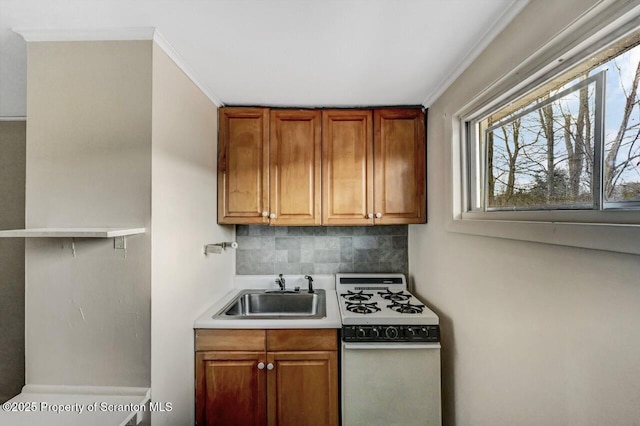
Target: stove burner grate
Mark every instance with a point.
(360, 296)
(362, 308)
(406, 308)
(399, 296)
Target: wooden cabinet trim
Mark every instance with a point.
(266, 339)
(200, 392)
(302, 340)
(230, 340)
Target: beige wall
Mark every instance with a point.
(88, 164)
(12, 164)
(185, 281)
(532, 334)
(120, 136)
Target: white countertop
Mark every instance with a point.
(263, 282)
(75, 406)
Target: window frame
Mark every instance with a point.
(472, 142)
(615, 228)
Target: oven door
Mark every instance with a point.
(391, 384)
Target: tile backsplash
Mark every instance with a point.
(264, 250)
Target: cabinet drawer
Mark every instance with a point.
(302, 340)
(230, 340)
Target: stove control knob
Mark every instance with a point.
(411, 332)
(425, 331)
(375, 332)
(391, 332)
(361, 333)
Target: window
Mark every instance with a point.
(572, 143)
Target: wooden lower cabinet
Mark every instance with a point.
(295, 383)
(231, 390)
(303, 388)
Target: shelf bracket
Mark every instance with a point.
(73, 246)
(120, 243)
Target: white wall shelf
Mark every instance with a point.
(119, 235)
(71, 232)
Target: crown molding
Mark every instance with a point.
(177, 59)
(600, 25)
(114, 34)
(500, 24)
(85, 34)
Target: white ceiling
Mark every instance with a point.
(282, 52)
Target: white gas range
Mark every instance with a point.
(383, 299)
(387, 330)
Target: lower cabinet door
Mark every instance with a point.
(231, 388)
(302, 388)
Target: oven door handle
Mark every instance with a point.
(370, 346)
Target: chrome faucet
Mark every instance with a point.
(280, 282)
(308, 278)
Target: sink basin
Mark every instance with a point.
(258, 304)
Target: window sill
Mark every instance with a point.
(621, 238)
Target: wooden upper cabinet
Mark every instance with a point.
(243, 166)
(312, 167)
(347, 167)
(399, 164)
(295, 167)
(373, 177)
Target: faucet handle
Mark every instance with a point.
(280, 281)
(310, 279)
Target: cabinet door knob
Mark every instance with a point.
(270, 366)
(265, 213)
(370, 215)
(261, 366)
(378, 215)
(272, 216)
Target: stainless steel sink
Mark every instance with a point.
(260, 304)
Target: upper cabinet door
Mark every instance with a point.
(243, 166)
(347, 167)
(399, 164)
(295, 167)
